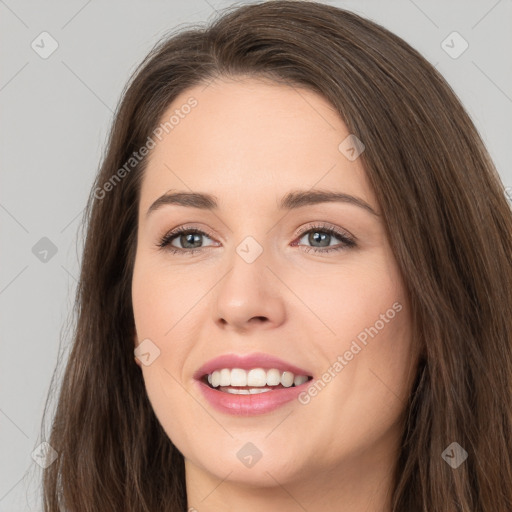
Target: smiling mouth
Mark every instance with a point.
(241, 382)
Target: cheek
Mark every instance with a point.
(347, 301)
(374, 326)
(361, 393)
(161, 298)
(160, 308)
(176, 411)
(365, 348)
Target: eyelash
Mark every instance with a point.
(164, 243)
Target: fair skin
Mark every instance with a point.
(249, 143)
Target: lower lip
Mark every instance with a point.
(248, 405)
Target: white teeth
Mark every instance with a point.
(237, 391)
(251, 391)
(299, 379)
(225, 377)
(287, 379)
(238, 377)
(257, 377)
(273, 377)
(255, 391)
(254, 378)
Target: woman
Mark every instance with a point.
(255, 369)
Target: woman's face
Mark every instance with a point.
(270, 281)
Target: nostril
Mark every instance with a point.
(259, 319)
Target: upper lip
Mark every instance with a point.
(248, 362)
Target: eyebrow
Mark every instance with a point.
(291, 201)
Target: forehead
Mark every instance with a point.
(247, 140)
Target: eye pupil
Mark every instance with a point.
(187, 238)
(318, 236)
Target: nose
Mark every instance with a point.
(249, 295)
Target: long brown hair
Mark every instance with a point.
(447, 220)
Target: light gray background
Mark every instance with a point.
(56, 113)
